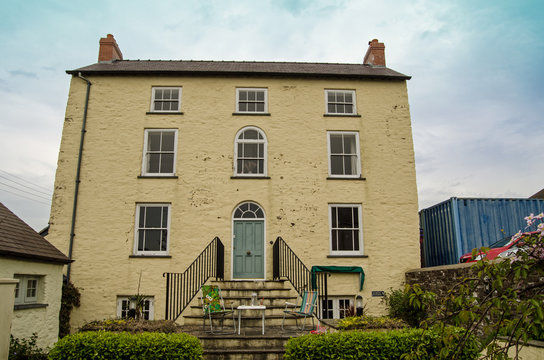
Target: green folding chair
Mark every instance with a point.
(213, 307)
(303, 310)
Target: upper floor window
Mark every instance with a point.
(152, 229)
(250, 152)
(251, 100)
(344, 156)
(346, 229)
(340, 102)
(166, 99)
(159, 158)
(26, 291)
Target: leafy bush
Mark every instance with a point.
(70, 298)
(371, 322)
(108, 345)
(132, 326)
(25, 349)
(418, 343)
(399, 306)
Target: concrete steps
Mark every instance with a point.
(250, 344)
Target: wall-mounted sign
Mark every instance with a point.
(378, 293)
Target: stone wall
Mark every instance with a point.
(438, 279)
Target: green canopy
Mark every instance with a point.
(337, 269)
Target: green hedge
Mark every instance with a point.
(108, 345)
(377, 345)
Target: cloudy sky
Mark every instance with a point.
(476, 95)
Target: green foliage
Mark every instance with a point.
(401, 306)
(26, 349)
(132, 325)
(395, 344)
(370, 322)
(108, 345)
(70, 298)
(504, 297)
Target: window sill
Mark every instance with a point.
(29, 306)
(250, 177)
(347, 256)
(150, 256)
(345, 178)
(163, 113)
(251, 114)
(341, 115)
(157, 177)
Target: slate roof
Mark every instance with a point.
(240, 68)
(19, 240)
(538, 195)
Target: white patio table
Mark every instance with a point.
(249, 307)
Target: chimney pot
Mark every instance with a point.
(375, 55)
(109, 50)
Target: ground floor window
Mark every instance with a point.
(28, 289)
(336, 307)
(131, 307)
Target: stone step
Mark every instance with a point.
(252, 284)
(278, 300)
(244, 354)
(250, 321)
(261, 293)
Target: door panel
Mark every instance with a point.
(248, 250)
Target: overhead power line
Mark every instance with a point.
(23, 185)
(26, 181)
(41, 202)
(26, 192)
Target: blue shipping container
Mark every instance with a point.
(458, 225)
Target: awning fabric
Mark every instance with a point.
(337, 269)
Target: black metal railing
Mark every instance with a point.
(286, 264)
(181, 288)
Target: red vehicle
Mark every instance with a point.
(502, 249)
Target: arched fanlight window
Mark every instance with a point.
(250, 152)
(248, 210)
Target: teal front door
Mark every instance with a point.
(248, 249)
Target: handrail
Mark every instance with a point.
(181, 288)
(286, 264)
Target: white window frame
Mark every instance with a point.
(137, 230)
(357, 152)
(336, 305)
(264, 141)
(126, 299)
(152, 108)
(354, 103)
(21, 293)
(265, 111)
(360, 229)
(145, 172)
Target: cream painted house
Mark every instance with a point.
(38, 266)
(177, 153)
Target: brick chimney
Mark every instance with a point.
(375, 55)
(109, 51)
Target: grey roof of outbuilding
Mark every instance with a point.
(19, 240)
(240, 68)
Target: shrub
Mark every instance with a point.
(371, 322)
(25, 349)
(132, 326)
(419, 343)
(108, 345)
(398, 305)
(70, 298)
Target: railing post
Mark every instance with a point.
(220, 260)
(276, 259)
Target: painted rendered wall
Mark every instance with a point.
(295, 198)
(7, 289)
(43, 320)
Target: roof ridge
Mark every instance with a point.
(241, 61)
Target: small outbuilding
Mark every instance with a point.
(28, 257)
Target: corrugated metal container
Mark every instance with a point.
(458, 225)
